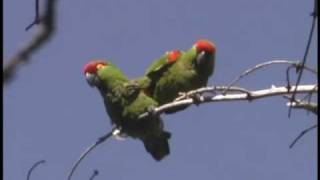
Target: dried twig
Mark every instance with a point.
(100, 140)
(212, 89)
(301, 134)
(95, 173)
(33, 167)
(252, 95)
(46, 29)
(264, 64)
(36, 20)
(288, 75)
(300, 70)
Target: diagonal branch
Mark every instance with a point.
(36, 20)
(95, 173)
(100, 140)
(46, 29)
(268, 63)
(33, 167)
(314, 15)
(302, 134)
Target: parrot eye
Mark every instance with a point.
(93, 66)
(99, 66)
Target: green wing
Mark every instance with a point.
(158, 66)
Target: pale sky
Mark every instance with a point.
(51, 113)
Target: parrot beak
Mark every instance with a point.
(200, 58)
(91, 79)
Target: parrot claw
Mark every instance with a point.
(197, 99)
(121, 136)
(249, 97)
(151, 112)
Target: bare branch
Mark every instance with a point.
(33, 167)
(46, 29)
(299, 104)
(95, 173)
(288, 75)
(300, 70)
(315, 9)
(301, 134)
(252, 95)
(36, 20)
(213, 90)
(100, 140)
(313, 107)
(264, 64)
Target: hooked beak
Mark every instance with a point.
(91, 79)
(200, 58)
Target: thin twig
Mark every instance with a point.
(33, 167)
(264, 64)
(301, 134)
(46, 29)
(252, 95)
(288, 75)
(300, 71)
(36, 20)
(212, 89)
(100, 140)
(95, 173)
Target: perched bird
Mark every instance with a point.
(157, 70)
(124, 102)
(188, 70)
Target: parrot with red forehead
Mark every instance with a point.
(187, 71)
(124, 102)
(157, 70)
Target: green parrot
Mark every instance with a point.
(157, 70)
(189, 70)
(124, 102)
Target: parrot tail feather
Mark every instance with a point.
(158, 146)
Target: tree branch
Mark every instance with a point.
(302, 134)
(247, 96)
(309, 106)
(314, 15)
(33, 167)
(268, 63)
(113, 132)
(46, 29)
(95, 173)
(36, 20)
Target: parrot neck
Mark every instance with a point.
(111, 78)
(190, 56)
(111, 84)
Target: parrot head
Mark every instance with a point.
(91, 71)
(103, 74)
(205, 53)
